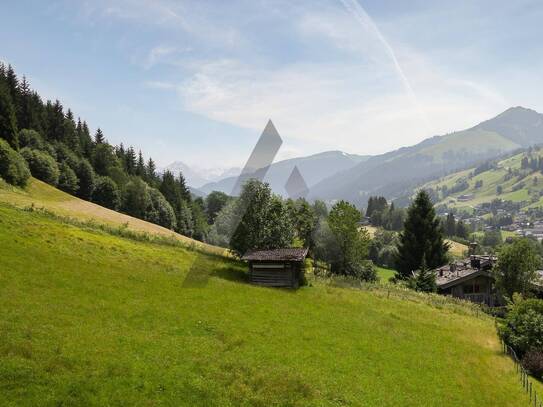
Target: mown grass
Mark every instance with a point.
(43, 196)
(90, 318)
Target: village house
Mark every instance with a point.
(470, 279)
(277, 267)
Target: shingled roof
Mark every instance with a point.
(284, 254)
(460, 270)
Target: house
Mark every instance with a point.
(470, 279)
(277, 267)
(465, 197)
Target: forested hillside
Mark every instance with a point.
(60, 150)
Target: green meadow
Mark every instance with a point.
(94, 318)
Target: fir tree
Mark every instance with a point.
(130, 161)
(8, 121)
(99, 137)
(140, 166)
(150, 171)
(421, 239)
(184, 190)
(424, 280)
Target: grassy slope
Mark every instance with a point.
(472, 141)
(93, 319)
(41, 195)
(456, 249)
(491, 179)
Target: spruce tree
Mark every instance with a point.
(140, 166)
(8, 121)
(421, 239)
(99, 137)
(130, 161)
(185, 192)
(450, 225)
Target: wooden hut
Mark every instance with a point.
(277, 267)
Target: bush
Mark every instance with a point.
(31, 139)
(13, 168)
(533, 362)
(161, 212)
(363, 270)
(42, 165)
(86, 176)
(106, 193)
(136, 198)
(523, 326)
(67, 181)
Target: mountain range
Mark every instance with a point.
(335, 175)
(197, 177)
(313, 169)
(394, 174)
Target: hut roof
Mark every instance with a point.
(284, 254)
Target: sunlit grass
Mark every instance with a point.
(89, 318)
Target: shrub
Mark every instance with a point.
(42, 165)
(67, 181)
(161, 212)
(533, 362)
(106, 193)
(136, 198)
(86, 176)
(523, 326)
(31, 139)
(363, 270)
(13, 168)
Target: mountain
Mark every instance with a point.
(395, 173)
(197, 177)
(313, 169)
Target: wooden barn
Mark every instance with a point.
(277, 267)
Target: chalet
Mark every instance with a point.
(277, 267)
(470, 279)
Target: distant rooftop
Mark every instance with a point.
(284, 254)
(461, 269)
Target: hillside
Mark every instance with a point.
(42, 195)
(313, 168)
(394, 174)
(524, 187)
(95, 319)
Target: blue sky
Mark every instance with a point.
(196, 81)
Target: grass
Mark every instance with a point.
(385, 274)
(91, 318)
(42, 195)
(530, 195)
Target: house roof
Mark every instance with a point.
(284, 254)
(460, 271)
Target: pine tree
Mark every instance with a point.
(450, 225)
(424, 280)
(185, 192)
(8, 121)
(99, 137)
(421, 239)
(130, 161)
(140, 166)
(13, 84)
(151, 171)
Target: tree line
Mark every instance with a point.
(46, 140)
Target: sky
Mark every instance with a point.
(197, 81)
